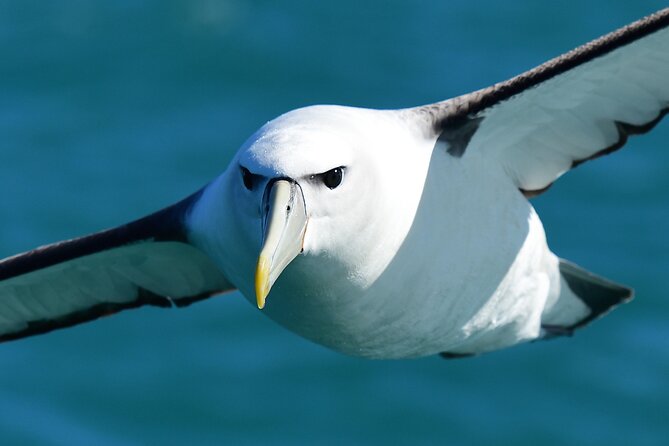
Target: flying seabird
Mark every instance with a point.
(379, 233)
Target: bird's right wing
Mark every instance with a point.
(146, 262)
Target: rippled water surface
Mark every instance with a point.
(110, 110)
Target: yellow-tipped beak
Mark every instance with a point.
(262, 281)
(284, 225)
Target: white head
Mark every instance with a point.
(358, 173)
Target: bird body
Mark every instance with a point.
(469, 283)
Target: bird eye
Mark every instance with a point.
(247, 178)
(332, 178)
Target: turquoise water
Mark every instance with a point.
(110, 110)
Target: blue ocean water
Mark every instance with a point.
(111, 110)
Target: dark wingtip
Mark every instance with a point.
(449, 355)
(599, 294)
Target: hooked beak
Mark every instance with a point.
(284, 224)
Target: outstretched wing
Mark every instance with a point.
(574, 108)
(146, 262)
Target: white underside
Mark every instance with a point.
(466, 281)
(470, 272)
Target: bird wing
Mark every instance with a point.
(571, 109)
(145, 262)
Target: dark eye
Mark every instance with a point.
(247, 178)
(332, 178)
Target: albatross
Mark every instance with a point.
(379, 233)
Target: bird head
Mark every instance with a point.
(323, 182)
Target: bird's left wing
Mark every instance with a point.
(574, 108)
(145, 262)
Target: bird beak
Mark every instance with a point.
(284, 223)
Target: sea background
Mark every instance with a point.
(111, 110)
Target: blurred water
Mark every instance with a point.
(110, 110)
